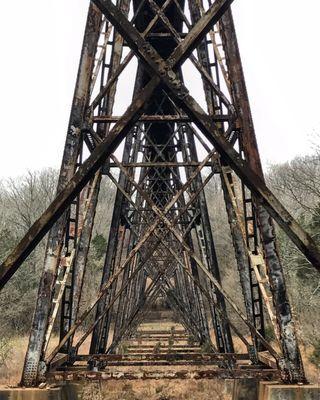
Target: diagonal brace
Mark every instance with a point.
(156, 65)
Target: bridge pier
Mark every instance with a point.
(276, 391)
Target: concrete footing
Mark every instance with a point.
(32, 394)
(276, 391)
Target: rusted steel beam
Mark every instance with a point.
(110, 143)
(101, 337)
(210, 298)
(153, 338)
(214, 105)
(59, 360)
(105, 310)
(162, 350)
(263, 374)
(222, 328)
(174, 346)
(144, 118)
(205, 357)
(264, 357)
(163, 164)
(240, 255)
(182, 98)
(114, 76)
(209, 275)
(136, 291)
(161, 363)
(55, 239)
(239, 93)
(137, 314)
(107, 107)
(162, 332)
(155, 363)
(77, 260)
(79, 242)
(157, 118)
(92, 164)
(143, 195)
(129, 300)
(247, 250)
(83, 248)
(198, 65)
(110, 253)
(101, 293)
(77, 182)
(176, 304)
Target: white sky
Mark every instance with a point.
(40, 44)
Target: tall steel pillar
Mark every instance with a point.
(68, 168)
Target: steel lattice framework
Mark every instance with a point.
(160, 239)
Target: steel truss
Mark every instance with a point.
(160, 238)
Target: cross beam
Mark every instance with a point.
(163, 69)
(102, 151)
(164, 72)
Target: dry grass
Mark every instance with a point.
(312, 371)
(10, 373)
(157, 390)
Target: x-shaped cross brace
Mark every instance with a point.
(164, 70)
(161, 71)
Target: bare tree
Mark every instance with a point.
(28, 196)
(298, 183)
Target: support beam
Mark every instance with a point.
(55, 239)
(288, 337)
(188, 104)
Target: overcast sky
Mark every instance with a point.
(40, 46)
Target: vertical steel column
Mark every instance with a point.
(107, 107)
(195, 291)
(211, 254)
(242, 260)
(55, 240)
(293, 368)
(215, 108)
(82, 251)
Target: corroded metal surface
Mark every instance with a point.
(204, 374)
(161, 245)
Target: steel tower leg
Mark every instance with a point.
(55, 240)
(292, 365)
